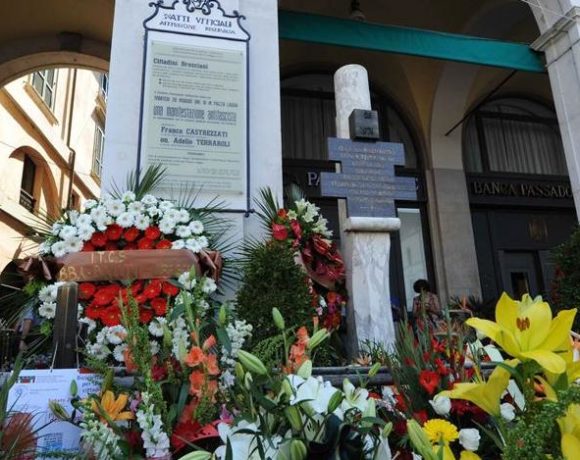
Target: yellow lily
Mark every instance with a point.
(570, 430)
(485, 395)
(526, 330)
(111, 408)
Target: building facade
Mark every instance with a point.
(51, 150)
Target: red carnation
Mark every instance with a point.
(279, 232)
(131, 234)
(87, 247)
(145, 315)
(295, 226)
(163, 244)
(111, 316)
(145, 243)
(158, 372)
(153, 289)
(429, 380)
(152, 232)
(114, 232)
(282, 213)
(170, 289)
(92, 312)
(111, 246)
(98, 239)
(159, 304)
(86, 290)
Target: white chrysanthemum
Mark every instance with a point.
(203, 242)
(196, 227)
(47, 310)
(193, 245)
(58, 249)
(156, 326)
(119, 352)
(91, 324)
(209, 286)
(44, 248)
(167, 226)
(101, 224)
(86, 232)
(183, 231)
(153, 211)
(186, 280)
(165, 205)
(126, 220)
(55, 229)
(116, 207)
(84, 220)
(68, 231)
(142, 222)
(73, 215)
(98, 351)
(172, 214)
(74, 244)
(149, 200)
(128, 196)
(115, 334)
(98, 213)
(46, 294)
(89, 204)
(183, 216)
(136, 206)
(178, 244)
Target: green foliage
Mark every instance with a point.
(269, 350)
(271, 278)
(566, 289)
(536, 436)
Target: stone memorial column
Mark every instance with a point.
(366, 241)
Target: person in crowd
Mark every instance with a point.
(426, 304)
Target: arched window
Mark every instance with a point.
(513, 135)
(308, 119)
(28, 183)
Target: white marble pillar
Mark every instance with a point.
(561, 43)
(366, 241)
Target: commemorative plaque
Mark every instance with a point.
(368, 181)
(194, 107)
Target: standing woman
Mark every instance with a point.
(426, 304)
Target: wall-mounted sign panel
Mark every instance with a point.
(194, 114)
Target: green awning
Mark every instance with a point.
(402, 40)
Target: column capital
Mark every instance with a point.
(558, 30)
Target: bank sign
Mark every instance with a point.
(519, 191)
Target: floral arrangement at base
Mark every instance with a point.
(127, 224)
(302, 232)
(526, 405)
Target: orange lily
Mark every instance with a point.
(111, 408)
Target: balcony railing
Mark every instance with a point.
(27, 200)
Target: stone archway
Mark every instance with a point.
(37, 34)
